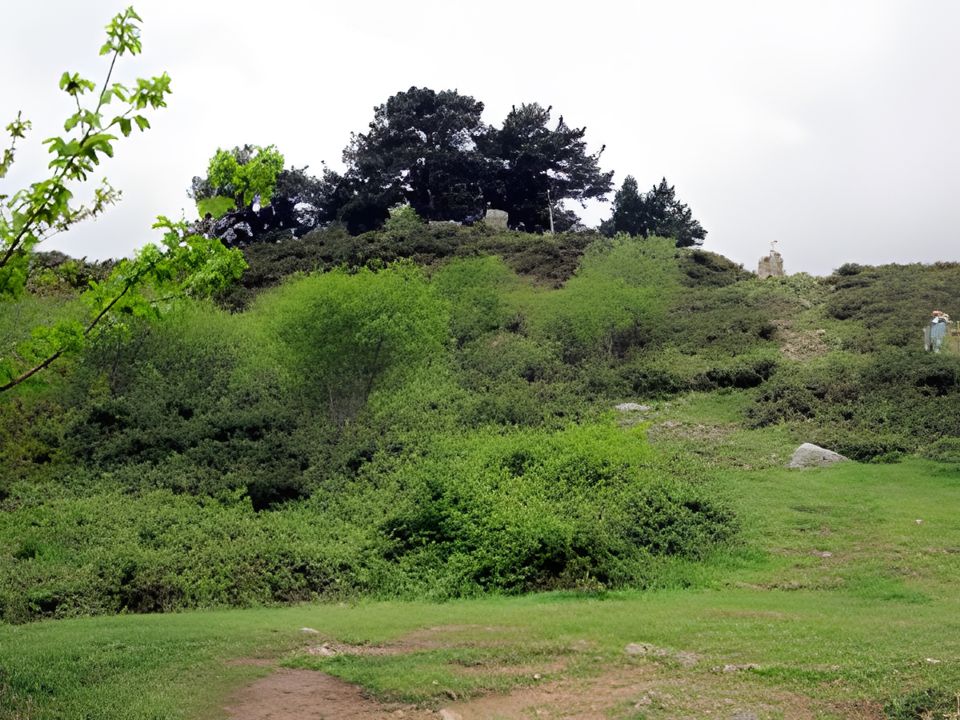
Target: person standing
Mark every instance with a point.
(938, 329)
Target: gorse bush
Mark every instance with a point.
(537, 509)
(476, 290)
(343, 335)
(892, 302)
(617, 300)
(588, 506)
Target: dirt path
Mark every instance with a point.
(633, 689)
(311, 695)
(624, 693)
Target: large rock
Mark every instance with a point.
(810, 455)
(496, 219)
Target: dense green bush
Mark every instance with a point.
(586, 506)
(342, 336)
(551, 259)
(405, 431)
(538, 509)
(869, 408)
(946, 450)
(476, 289)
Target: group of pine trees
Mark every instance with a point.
(432, 151)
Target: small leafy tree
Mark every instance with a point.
(181, 265)
(403, 221)
(235, 178)
(345, 335)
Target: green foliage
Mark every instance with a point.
(177, 404)
(243, 174)
(216, 206)
(584, 507)
(550, 259)
(877, 407)
(657, 212)
(890, 304)
(403, 220)
(182, 265)
(432, 150)
(143, 286)
(617, 300)
(344, 335)
(420, 148)
(108, 552)
(521, 511)
(475, 289)
(534, 167)
(919, 704)
(30, 215)
(945, 449)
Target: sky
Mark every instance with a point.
(829, 126)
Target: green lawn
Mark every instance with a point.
(843, 587)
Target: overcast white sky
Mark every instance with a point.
(832, 126)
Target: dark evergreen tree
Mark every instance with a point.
(421, 148)
(534, 168)
(657, 212)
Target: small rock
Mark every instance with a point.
(322, 650)
(736, 668)
(933, 661)
(810, 455)
(537, 676)
(918, 521)
(685, 658)
(632, 407)
(644, 649)
(309, 631)
(448, 714)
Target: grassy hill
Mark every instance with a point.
(433, 416)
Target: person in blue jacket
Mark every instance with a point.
(938, 329)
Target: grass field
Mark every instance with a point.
(842, 590)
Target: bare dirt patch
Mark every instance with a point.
(800, 344)
(639, 685)
(310, 695)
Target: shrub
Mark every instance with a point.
(945, 450)
(344, 335)
(532, 510)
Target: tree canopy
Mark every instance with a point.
(240, 175)
(536, 167)
(421, 148)
(433, 151)
(657, 212)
